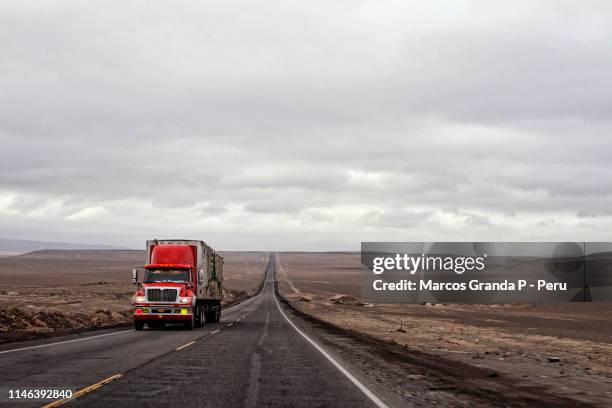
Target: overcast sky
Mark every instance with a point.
(305, 125)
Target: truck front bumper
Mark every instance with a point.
(162, 313)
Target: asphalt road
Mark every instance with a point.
(256, 356)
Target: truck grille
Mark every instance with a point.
(162, 295)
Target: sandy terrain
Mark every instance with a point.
(565, 349)
(50, 292)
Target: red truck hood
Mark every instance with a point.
(164, 284)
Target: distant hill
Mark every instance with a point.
(71, 255)
(20, 246)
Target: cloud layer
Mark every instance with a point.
(262, 125)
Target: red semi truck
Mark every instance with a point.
(182, 283)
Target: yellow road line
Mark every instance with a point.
(84, 391)
(216, 331)
(185, 345)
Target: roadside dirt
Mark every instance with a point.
(555, 354)
(46, 293)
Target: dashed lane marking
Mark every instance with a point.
(185, 345)
(216, 331)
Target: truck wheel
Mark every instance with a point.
(138, 325)
(198, 316)
(217, 316)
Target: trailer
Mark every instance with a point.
(182, 283)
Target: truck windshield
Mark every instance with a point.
(166, 275)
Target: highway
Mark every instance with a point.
(256, 356)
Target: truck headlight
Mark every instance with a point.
(184, 300)
(139, 299)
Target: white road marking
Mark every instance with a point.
(377, 401)
(229, 324)
(185, 345)
(216, 331)
(66, 341)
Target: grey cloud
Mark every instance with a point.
(477, 220)
(549, 222)
(268, 208)
(397, 218)
(213, 209)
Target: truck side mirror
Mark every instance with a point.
(134, 276)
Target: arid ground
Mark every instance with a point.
(561, 349)
(55, 291)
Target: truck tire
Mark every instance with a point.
(138, 325)
(212, 312)
(189, 325)
(199, 316)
